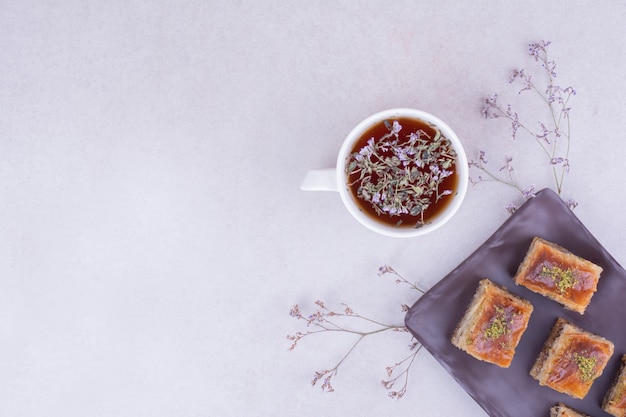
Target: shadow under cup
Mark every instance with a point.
(449, 206)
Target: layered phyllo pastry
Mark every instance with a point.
(554, 272)
(571, 359)
(561, 410)
(493, 324)
(615, 399)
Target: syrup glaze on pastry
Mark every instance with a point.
(556, 273)
(493, 324)
(571, 359)
(614, 401)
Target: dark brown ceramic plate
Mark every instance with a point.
(512, 392)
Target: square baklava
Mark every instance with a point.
(561, 410)
(615, 399)
(554, 272)
(571, 359)
(493, 324)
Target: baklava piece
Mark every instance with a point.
(615, 399)
(554, 272)
(493, 324)
(561, 410)
(571, 359)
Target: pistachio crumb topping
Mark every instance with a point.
(499, 326)
(564, 279)
(586, 366)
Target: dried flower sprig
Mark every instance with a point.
(404, 366)
(507, 177)
(553, 136)
(324, 320)
(386, 269)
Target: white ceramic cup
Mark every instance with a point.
(335, 179)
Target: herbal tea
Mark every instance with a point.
(402, 172)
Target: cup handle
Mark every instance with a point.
(320, 180)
